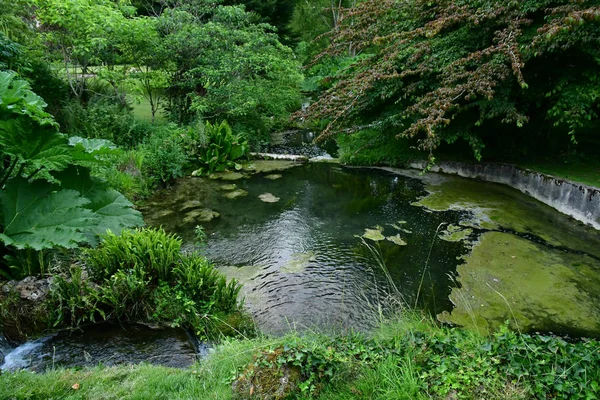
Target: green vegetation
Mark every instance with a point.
(102, 102)
(138, 275)
(584, 171)
(507, 81)
(409, 358)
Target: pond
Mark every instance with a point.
(322, 246)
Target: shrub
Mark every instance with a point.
(221, 148)
(164, 154)
(142, 274)
(144, 252)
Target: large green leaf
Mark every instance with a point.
(35, 145)
(91, 150)
(17, 98)
(37, 216)
(113, 211)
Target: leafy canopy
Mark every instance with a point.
(436, 71)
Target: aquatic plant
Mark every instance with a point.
(221, 149)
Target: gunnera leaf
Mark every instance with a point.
(38, 216)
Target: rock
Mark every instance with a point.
(274, 176)
(30, 288)
(190, 204)
(266, 166)
(235, 194)
(265, 379)
(227, 176)
(268, 198)
(203, 215)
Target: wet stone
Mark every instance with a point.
(191, 204)
(268, 198)
(227, 176)
(203, 215)
(235, 194)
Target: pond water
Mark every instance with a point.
(106, 344)
(308, 242)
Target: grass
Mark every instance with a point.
(405, 358)
(143, 111)
(586, 172)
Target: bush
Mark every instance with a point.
(142, 275)
(164, 153)
(371, 147)
(100, 119)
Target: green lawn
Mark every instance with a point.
(587, 172)
(142, 110)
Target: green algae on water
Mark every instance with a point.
(455, 234)
(298, 262)
(494, 206)
(508, 278)
(203, 215)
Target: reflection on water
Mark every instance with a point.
(300, 259)
(303, 265)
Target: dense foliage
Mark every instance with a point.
(453, 70)
(48, 197)
(138, 275)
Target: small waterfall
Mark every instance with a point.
(5, 348)
(576, 200)
(22, 356)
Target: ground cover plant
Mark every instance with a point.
(404, 358)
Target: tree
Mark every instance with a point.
(84, 33)
(229, 68)
(449, 70)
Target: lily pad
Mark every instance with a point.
(375, 234)
(269, 198)
(397, 240)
